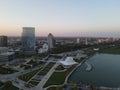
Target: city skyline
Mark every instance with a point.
(61, 17)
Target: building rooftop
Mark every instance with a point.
(7, 53)
(68, 61)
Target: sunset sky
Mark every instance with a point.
(61, 17)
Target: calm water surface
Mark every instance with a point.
(105, 72)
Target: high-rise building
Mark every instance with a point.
(3, 41)
(51, 41)
(28, 40)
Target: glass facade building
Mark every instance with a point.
(28, 39)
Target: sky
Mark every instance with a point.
(61, 17)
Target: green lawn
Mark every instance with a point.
(55, 88)
(1, 84)
(6, 70)
(78, 60)
(58, 78)
(57, 57)
(34, 82)
(111, 50)
(46, 69)
(8, 86)
(33, 63)
(60, 67)
(28, 76)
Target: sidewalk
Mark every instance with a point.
(45, 79)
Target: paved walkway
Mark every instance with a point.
(46, 77)
(21, 85)
(16, 82)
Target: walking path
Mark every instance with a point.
(65, 82)
(40, 85)
(45, 79)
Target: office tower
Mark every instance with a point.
(78, 40)
(3, 41)
(28, 40)
(51, 41)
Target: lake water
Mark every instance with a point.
(105, 72)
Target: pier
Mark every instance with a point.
(89, 66)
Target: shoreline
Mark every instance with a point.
(68, 76)
(95, 86)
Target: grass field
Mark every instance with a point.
(28, 76)
(34, 82)
(8, 86)
(6, 71)
(11, 87)
(58, 78)
(46, 69)
(60, 67)
(111, 50)
(1, 84)
(55, 88)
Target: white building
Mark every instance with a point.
(68, 62)
(51, 41)
(86, 41)
(96, 49)
(78, 40)
(44, 49)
